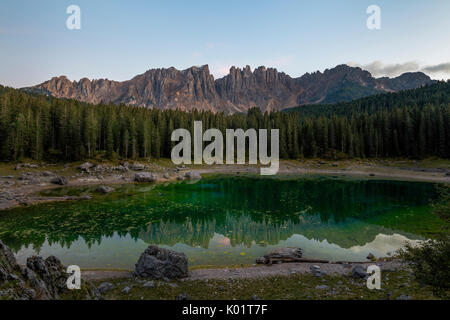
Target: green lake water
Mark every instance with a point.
(225, 220)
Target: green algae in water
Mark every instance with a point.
(225, 220)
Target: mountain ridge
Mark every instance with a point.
(238, 91)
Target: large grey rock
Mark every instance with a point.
(161, 263)
(62, 181)
(145, 177)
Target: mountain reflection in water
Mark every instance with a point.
(226, 220)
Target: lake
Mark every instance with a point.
(225, 220)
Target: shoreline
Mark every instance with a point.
(20, 193)
(255, 271)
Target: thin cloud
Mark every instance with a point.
(438, 68)
(381, 69)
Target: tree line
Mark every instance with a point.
(413, 124)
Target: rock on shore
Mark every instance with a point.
(145, 177)
(161, 263)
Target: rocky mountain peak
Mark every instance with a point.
(239, 90)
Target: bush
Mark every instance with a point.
(430, 261)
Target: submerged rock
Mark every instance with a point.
(145, 177)
(161, 263)
(104, 189)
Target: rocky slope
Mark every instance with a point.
(241, 89)
(39, 279)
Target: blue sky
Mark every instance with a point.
(120, 39)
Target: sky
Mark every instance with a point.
(119, 39)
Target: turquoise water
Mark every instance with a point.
(225, 220)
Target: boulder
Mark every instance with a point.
(358, 272)
(137, 167)
(86, 166)
(125, 290)
(62, 181)
(105, 287)
(161, 263)
(281, 255)
(145, 177)
(192, 175)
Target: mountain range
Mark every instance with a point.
(239, 90)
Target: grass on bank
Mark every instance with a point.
(395, 284)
